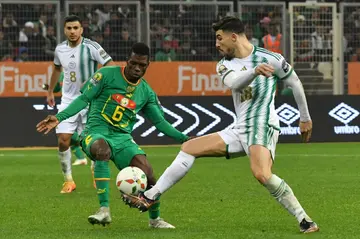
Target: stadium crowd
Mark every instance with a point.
(177, 32)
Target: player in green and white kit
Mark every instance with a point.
(75, 139)
(251, 73)
(115, 96)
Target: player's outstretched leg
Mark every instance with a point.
(261, 163)
(65, 161)
(79, 154)
(155, 221)
(208, 145)
(101, 152)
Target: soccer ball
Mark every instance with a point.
(131, 180)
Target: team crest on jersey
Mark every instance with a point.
(103, 54)
(123, 101)
(130, 89)
(96, 78)
(72, 65)
(222, 69)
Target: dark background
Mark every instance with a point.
(19, 117)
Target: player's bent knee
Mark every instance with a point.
(261, 175)
(64, 142)
(100, 150)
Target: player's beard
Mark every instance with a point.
(229, 54)
(73, 42)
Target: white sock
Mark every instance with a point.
(285, 196)
(65, 161)
(174, 173)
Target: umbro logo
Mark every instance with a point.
(72, 56)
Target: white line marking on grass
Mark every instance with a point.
(173, 155)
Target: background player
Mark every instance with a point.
(78, 57)
(251, 73)
(75, 139)
(116, 95)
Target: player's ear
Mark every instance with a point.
(233, 37)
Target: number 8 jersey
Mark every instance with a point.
(78, 63)
(254, 104)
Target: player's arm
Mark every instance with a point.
(237, 80)
(100, 55)
(286, 73)
(153, 111)
(90, 91)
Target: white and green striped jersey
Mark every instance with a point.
(78, 63)
(254, 104)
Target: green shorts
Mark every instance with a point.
(123, 147)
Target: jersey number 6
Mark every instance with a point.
(118, 113)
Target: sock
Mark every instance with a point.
(285, 196)
(102, 180)
(154, 211)
(174, 173)
(65, 161)
(78, 152)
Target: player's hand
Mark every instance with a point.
(265, 70)
(306, 130)
(47, 124)
(50, 98)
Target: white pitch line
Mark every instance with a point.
(173, 155)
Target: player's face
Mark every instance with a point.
(225, 44)
(137, 65)
(73, 31)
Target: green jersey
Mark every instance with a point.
(114, 103)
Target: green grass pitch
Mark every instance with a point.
(218, 198)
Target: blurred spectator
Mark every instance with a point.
(36, 45)
(125, 44)
(250, 36)
(50, 43)
(185, 51)
(262, 28)
(5, 46)
(321, 44)
(272, 41)
(25, 33)
(43, 24)
(167, 53)
(22, 55)
(9, 21)
(10, 27)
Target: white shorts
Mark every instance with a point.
(72, 124)
(238, 143)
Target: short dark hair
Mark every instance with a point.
(229, 24)
(72, 18)
(140, 49)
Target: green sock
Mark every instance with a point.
(78, 152)
(154, 211)
(102, 179)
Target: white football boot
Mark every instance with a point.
(159, 223)
(80, 162)
(102, 216)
